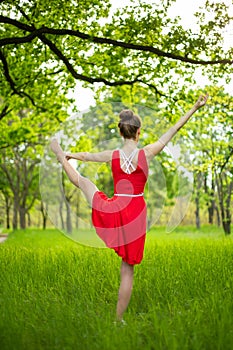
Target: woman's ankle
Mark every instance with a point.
(60, 157)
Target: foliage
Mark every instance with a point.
(209, 138)
(56, 43)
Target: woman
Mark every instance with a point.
(120, 221)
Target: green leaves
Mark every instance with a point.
(138, 43)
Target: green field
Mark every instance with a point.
(56, 294)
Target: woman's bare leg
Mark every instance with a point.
(125, 290)
(87, 187)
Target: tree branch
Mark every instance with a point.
(7, 73)
(59, 54)
(10, 80)
(40, 34)
(227, 159)
(152, 86)
(100, 40)
(5, 111)
(12, 83)
(71, 69)
(22, 12)
(8, 175)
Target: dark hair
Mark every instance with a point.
(129, 124)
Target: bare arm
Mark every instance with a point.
(153, 149)
(102, 157)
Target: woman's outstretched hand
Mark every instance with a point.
(201, 101)
(78, 156)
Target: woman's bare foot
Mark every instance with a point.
(57, 150)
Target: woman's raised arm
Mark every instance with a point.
(102, 157)
(153, 149)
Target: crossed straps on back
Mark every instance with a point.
(127, 161)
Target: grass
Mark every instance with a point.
(56, 294)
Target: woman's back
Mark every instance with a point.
(129, 178)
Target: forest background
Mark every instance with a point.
(136, 56)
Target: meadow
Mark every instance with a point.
(57, 294)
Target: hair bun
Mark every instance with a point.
(126, 115)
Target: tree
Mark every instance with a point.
(32, 126)
(224, 182)
(209, 138)
(21, 172)
(6, 196)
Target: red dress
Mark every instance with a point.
(120, 221)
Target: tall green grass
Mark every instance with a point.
(56, 294)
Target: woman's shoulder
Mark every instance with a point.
(148, 153)
(115, 153)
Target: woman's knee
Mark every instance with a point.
(88, 188)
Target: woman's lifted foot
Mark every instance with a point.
(57, 150)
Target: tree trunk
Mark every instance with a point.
(15, 213)
(197, 213)
(197, 179)
(210, 195)
(8, 218)
(227, 226)
(68, 217)
(224, 203)
(29, 219)
(218, 215)
(38, 223)
(44, 222)
(8, 207)
(44, 212)
(22, 218)
(77, 211)
(211, 203)
(61, 216)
